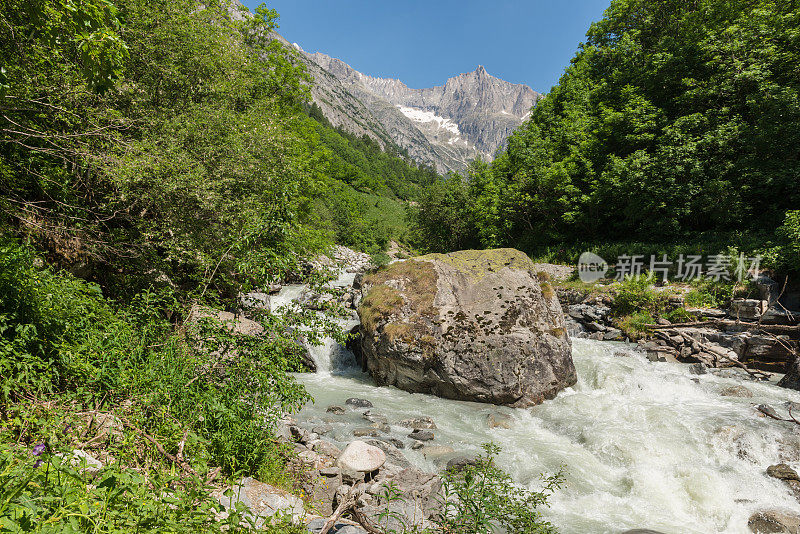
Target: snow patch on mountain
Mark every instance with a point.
(419, 115)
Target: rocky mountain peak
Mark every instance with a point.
(445, 126)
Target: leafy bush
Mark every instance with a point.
(55, 331)
(634, 325)
(480, 499)
(679, 315)
(59, 335)
(707, 293)
(789, 234)
(637, 294)
(48, 495)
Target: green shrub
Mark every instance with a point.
(59, 336)
(789, 234)
(45, 494)
(679, 315)
(637, 294)
(55, 330)
(634, 325)
(706, 293)
(482, 499)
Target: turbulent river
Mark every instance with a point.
(643, 445)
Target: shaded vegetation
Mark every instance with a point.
(156, 156)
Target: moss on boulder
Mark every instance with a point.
(474, 325)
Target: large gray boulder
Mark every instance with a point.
(262, 500)
(471, 325)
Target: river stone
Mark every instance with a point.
(330, 472)
(736, 391)
(393, 455)
(326, 448)
(434, 452)
(698, 369)
(791, 379)
(339, 527)
(86, 462)
(418, 423)
(358, 403)
(774, 521)
(498, 420)
(421, 435)
(469, 325)
(374, 417)
(335, 410)
(322, 429)
(262, 500)
(361, 457)
(783, 472)
(414, 485)
(768, 411)
(362, 432)
(461, 462)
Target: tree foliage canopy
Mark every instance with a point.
(673, 118)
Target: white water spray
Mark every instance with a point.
(643, 445)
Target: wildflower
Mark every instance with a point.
(38, 450)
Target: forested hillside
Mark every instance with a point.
(156, 157)
(676, 121)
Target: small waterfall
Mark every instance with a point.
(330, 357)
(286, 296)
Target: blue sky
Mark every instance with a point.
(425, 42)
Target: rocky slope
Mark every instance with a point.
(446, 126)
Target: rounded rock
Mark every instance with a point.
(361, 457)
(421, 435)
(358, 403)
(779, 521)
(736, 391)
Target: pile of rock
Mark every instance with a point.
(725, 339)
(726, 347)
(340, 257)
(364, 469)
(592, 319)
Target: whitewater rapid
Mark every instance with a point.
(642, 445)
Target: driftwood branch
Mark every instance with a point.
(361, 518)
(347, 503)
(722, 323)
(708, 348)
(179, 461)
(350, 504)
(770, 412)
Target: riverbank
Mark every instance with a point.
(646, 441)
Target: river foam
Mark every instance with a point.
(643, 445)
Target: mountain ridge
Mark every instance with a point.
(471, 115)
